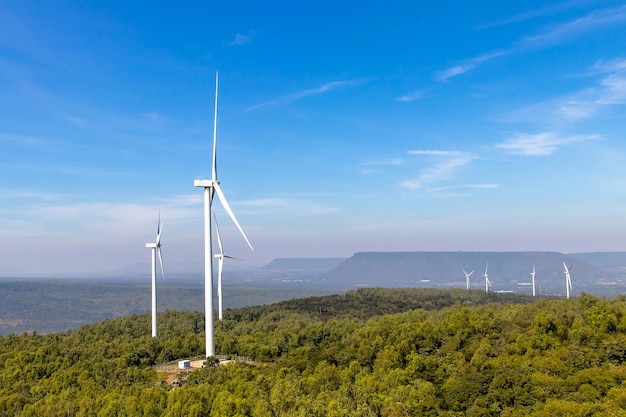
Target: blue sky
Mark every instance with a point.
(360, 126)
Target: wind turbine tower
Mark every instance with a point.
(486, 275)
(220, 264)
(568, 280)
(156, 249)
(532, 274)
(212, 187)
(467, 278)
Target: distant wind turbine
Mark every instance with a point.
(220, 264)
(467, 278)
(211, 187)
(156, 248)
(568, 280)
(487, 282)
(532, 274)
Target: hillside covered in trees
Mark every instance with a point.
(370, 352)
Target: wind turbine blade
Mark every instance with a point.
(161, 262)
(486, 268)
(565, 266)
(232, 257)
(220, 195)
(214, 164)
(464, 271)
(159, 230)
(470, 274)
(219, 237)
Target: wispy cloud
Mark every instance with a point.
(585, 104)
(385, 162)
(32, 142)
(564, 31)
(467, 65)
(416, 95)
(47, 214)
(460, 189)
(540, 144)
(609, 90)
(62, 169)
(265, 202)
(556, 34)
(449, 162)
(31, 195)
(240, 40)
(435, 152)
(453, 187)
(610, 66)
(288, 206)
(289, 98)
(542, 11)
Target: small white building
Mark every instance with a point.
(186, 364)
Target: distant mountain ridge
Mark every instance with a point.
(509, 271)
(609, 261)
(303, 264)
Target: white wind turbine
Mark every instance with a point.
(156, 248)
(487, 282)
(532, 274)
(568, 280)
(211, 187)
(467, 278)
(220, 264)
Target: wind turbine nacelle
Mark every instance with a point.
(151, 245)
(204, 183)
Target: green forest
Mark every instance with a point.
(369, 352)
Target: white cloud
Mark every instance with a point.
(539, 144)
(556, 34)
(46, 215)
(10, 139)
(385, 162)
(287, 206)
(453, 187)
(587, 103)
(265, 202)
(610, 90)
(459, 190)
(613, 90)
(543, 11)
(610, 66)
(394, 161)
(467, 65)
(560, 33)
(240, 40)
(443, 170)
(434, 152)
(450, 72)
(286, 99)
(411, 97)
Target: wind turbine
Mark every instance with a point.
(487, 282)
(220, 263)
(156, 248)
(568, 280)
(212, 187)
(532, 274)
(467, 278)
